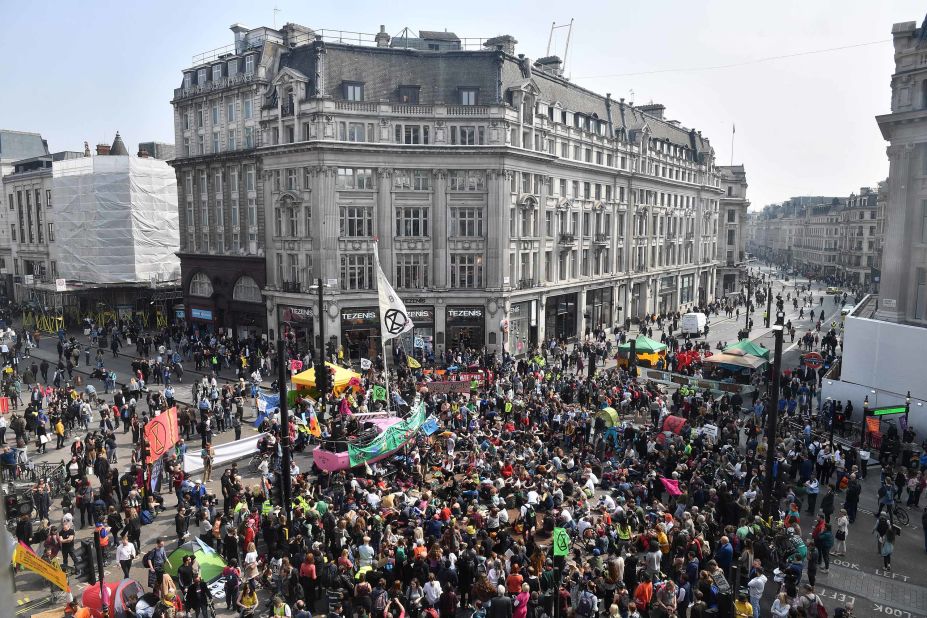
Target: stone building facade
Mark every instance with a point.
(732, 220)
(903, 286)
(508, 205)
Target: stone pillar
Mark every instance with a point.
(497, 234)
(439, 230)
(385, 219)
(896, 249)
(325, 210)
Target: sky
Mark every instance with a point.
(80, 71)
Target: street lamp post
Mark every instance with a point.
(749, 306)
(282, 369)
(830, 416)
(772, 419)
(907, 409)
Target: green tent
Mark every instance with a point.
(748, 347)
(211, 563)
(609, 415)
(643, 345)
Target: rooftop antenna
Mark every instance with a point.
(276, 10)
(404, 34)
(550, 40)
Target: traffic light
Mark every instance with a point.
(87, 553)
(321, 379)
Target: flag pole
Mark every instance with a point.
(733, 132)
(376, 257)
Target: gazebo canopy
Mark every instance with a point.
(643, 345)
(750, 348)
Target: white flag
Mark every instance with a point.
(394, 319)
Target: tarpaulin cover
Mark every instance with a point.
(390, 440)
(116, 220)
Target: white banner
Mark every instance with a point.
(192, 462)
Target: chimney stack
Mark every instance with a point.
(382, 38)
(86, 149)
(102, 149)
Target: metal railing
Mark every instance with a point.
(524, 284)
(567, 239)
(600, 238)
(291, 286)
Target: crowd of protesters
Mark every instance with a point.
(658, 523)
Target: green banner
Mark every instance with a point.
(390, 440)
(379, 393)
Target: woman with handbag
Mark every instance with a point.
(840, 534)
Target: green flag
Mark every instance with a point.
(379, 393)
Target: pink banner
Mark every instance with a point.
(296, 365)
(671, 486)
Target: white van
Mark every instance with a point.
(693, 323)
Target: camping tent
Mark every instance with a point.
(211, 563)
(749, 347)
(609, 415)
(343, 378)
(117, 596)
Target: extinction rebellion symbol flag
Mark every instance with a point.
(394, 319)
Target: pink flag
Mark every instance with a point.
(343, 407)
(671, 486)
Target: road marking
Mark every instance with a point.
(891, 575)
(892, 611)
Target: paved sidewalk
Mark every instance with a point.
(122, 365)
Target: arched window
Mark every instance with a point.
(200, 285)
(246, 289)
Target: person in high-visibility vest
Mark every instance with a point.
(266, 507)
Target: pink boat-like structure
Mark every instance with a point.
(331, 461)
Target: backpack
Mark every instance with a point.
(379, 603)
(232, 582)
(584, 607)
(330, 575)
(146, 517)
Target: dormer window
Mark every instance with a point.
(233, 67)
(249, 64)
(409, 94)
(216, 72)
(201, 77)
(353, 91)
(187, 80)
(469, 96)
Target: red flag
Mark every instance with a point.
(672, 486)
(161, 434)
(4, 405)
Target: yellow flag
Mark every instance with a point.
(411, 363)
(30, 561)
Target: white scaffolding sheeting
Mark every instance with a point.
(115, 220)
